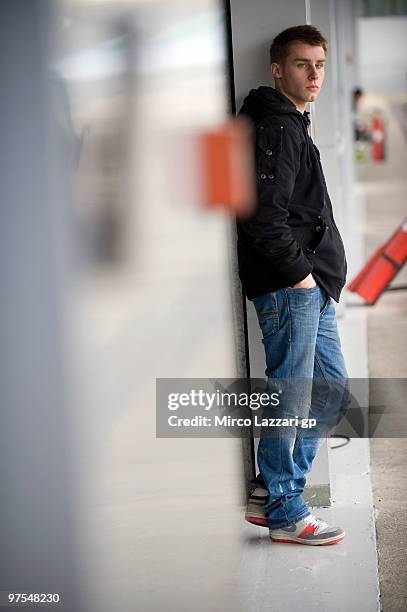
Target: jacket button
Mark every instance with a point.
(271, 176)
(318, 228)
(269, 152)
(263, 176)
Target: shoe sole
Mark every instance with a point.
(295, 540)
(260, 521)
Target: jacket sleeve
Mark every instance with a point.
(278, 153)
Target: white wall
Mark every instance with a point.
(382, 51)
(254, 25)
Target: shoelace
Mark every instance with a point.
(316, 522)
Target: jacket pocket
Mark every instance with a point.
(268, 149)
(315, 236)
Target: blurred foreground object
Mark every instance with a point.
(227, 168)
(94, 68)
(37, 532)
(382, 267)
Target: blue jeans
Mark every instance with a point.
(305, 362)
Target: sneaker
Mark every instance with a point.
(255, 507)
(310, 530)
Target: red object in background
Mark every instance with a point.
(378, 135)
(227, 167)
(382, 267)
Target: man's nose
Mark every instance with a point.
(313, 74)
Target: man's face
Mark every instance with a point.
(301, 75)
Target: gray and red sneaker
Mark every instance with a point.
(310, 530)
(255, 507)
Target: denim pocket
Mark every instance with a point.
(267, 313)
(304, 299)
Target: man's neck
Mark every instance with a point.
(299, 106)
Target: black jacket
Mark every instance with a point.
(292, 231)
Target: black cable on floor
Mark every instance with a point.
(346, 438)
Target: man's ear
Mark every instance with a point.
(275, 70)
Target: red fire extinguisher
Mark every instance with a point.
(378, 135)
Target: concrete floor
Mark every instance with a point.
(335, 578)
(385, 188)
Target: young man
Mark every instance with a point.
(291, 264)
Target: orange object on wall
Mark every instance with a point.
(227, 167)
(378, 136)
(382, 267)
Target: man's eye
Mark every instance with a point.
(300, 65)
(320, 65)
